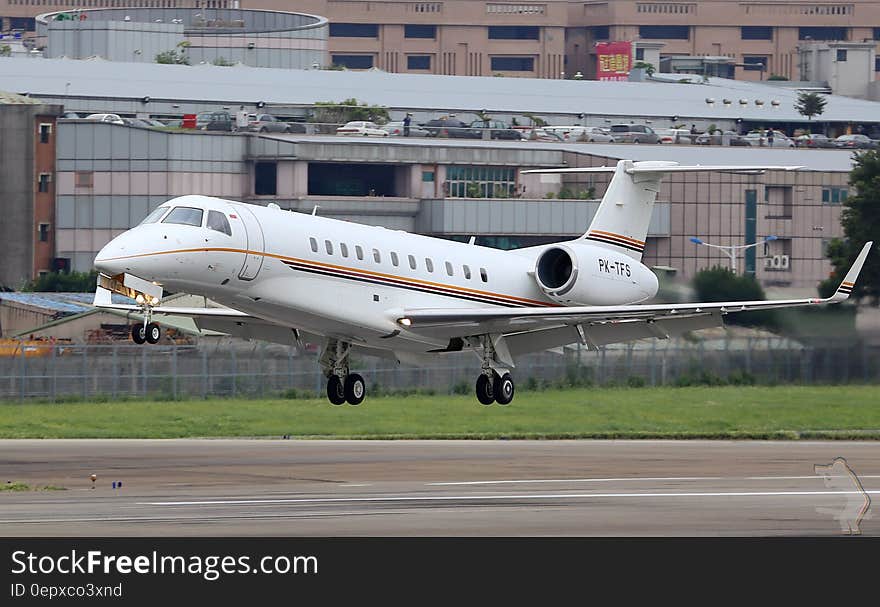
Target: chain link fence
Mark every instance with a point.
(261, 370)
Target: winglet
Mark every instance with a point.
(849, 280)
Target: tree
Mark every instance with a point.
(860, 219)
(5, 50)
(810, 104)
(172, 57)
(348, 111)
(64, 282)
(721, 284)
(644, 65)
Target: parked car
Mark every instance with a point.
(856, 141)
(814, 140)
(670, 136)
(497, 130)
(395, 129)
(541, 134)
(136, 122)
(450, 127)
(111, 118)
(218, 121)
(589, 134)
(634, 133)
(361, 128)
(267, 123)
(722, 138)
(758, 138)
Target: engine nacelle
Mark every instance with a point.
(574, 273)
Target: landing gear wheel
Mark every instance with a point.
(355, 389)
(335, 392)
(485, 390)
(138, 334)
(153, 333)
(504, 389)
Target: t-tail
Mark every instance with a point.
(622, 220)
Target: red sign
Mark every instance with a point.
(613, 60)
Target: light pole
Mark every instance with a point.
(732, 251)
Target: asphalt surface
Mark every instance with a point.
(455, 488)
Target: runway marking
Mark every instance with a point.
(525, 496)
(631, 478)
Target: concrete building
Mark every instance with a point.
(847, 67)
(110, 176)
(548, 39)
(141, 35)
(27, 187)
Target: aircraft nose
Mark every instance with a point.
(109, 259)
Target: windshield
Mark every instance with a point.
(154, 216)
(188, 216)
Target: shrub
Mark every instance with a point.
(721, 284)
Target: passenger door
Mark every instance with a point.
(254, 242)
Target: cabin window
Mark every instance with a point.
(359, 252)
(187, 216)
(429, 264)
(467, 272)
(449, 268)
(412, 262)
(343, 248)
(217, 221)
(483, 275)
(394, 260)
(155, 216)
(329, 246)
(377, 257)
(314, 244)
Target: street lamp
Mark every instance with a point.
(732, 250)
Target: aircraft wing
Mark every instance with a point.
(596, 325)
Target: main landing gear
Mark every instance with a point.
(495, 384)
(342, 386)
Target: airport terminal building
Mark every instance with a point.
(110, 176)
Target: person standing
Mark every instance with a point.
(241, 119)
(770, 137)
(407, 120)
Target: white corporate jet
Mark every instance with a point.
(285, 277)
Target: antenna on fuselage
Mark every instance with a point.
(472, 240)
(315, 210)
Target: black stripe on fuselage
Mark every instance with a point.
(607, 240)
(402, 285)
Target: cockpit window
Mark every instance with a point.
(187, 216)
(217, 221)
(155, 215)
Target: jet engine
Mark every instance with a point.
(582, 274)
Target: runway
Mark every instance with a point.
(437, 488)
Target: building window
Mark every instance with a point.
(877, 33)
(755, 63)
(480, 182)
(822, 33)
(600, 32)
(45, 132)
(640, 54)
(354, 30)
(513, 64)
(265, 178)
(43, 183)
(427, 176)
(418, 62)
(756, 32)
(44, 232)
(665, 32)
(84, 179)
(841, 54)
(514, 32)
(834, 195)
(353, 62)
(420, 31)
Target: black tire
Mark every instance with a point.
(504, 389)
(335, 390)
(264, 130)
(355, 389)
(138, 334)
(485, 390)
(636, 141)
(153, 333)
